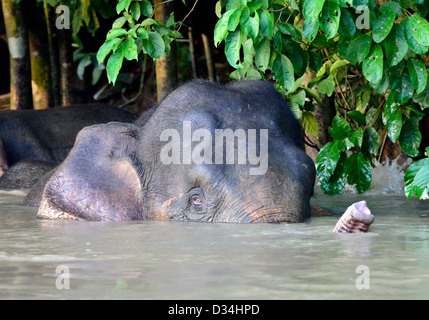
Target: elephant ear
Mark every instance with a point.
(99, 179)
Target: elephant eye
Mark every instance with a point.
(198, 201)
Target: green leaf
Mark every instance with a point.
(311, 27)
(249, 24)
(421, 182)
(119, 22)
(170, 22)
(410, 137)
(106, 48)
(283, 70)
(252, 73)
(298, 98)
(130, 49)
(396, 46)
(340, 128)
(266, 24)
(327, 86)
(296, 111)
(337, 64)
(327, 160)
(248, 53)
(330, 20)
(234, 19)
(356, 137)
(419, 29)
(373, 65)
(382, 26)
(347, 25)
(337, 181)
(115, 33)
(357, 116)
(312, 9)
(233, 4)
(114, 64)
(135, 10)
(309, 123)
(391, 7)
(418, 73)
(412, 171)
(83, 63)
(96, 75)
(232, 48)
(221, 28)
(154, 45)
(290, 30)
(142, 33)
(148, 22)
(411, 41)
(359, 172)
(402, 86)
(146, 8)
(262, 55)
(218, 8)
(358, 49)
(394, 124)
(122, 5)
(422, 99)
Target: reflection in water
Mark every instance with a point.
(178, 260)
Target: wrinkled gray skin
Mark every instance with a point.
(123, 178)
(24, 174)
(45, 136)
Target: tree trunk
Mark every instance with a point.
(166, 67)
(192, 52)
(40, 61)
(208, 50)
(66, 67)
(20, 74)
(53, 50)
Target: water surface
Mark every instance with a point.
(178, 260)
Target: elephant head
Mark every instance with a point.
(208, 153)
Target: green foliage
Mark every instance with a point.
(134, 32)
(417, 179)
(372, 61)
(333, 165)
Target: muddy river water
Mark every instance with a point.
(42, 259)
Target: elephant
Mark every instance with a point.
(209, 153)
(35, 136)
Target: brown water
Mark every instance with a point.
(177, 260)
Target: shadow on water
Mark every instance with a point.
(178, 260)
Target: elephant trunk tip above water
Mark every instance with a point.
(207, 153)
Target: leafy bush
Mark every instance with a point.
(378, 46)
(133, 32)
